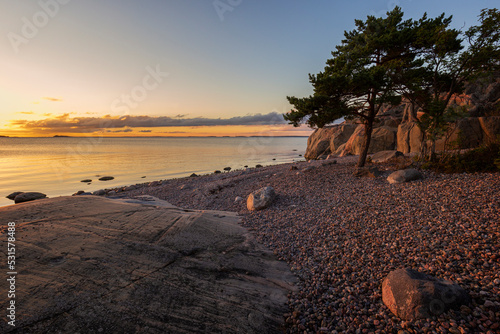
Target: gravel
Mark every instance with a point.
(341, 235)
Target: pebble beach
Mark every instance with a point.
(341, 235)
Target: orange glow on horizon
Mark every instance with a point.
(200, 131)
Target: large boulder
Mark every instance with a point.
(465, 133)
(404, 175)
(341, 136)
(409, 137)
(413, 295)
(490, 127)
(261, 199)
(318, 143)
(383, 138)
(328, 140)
(29, 196)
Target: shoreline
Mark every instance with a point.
(341, 235)
(65, 164)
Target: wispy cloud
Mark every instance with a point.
(52, 99)
(26, 112)
(119, 131)
(89, 124)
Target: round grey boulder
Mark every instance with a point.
(412, 295)
(261, 199)
(404, 175)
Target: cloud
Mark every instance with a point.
(118, 131)
(145, 131)
(26, 112)
(86, 124)
(52, 99)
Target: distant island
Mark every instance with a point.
(59, 136)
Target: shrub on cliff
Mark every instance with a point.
(485, 158)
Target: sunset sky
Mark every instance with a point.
(174, 68)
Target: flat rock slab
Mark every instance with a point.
(384, 156)
(92, 264)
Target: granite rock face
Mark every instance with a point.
(96, 265)
(397, 129)
(413, 295)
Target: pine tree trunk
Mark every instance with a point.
(423, 147)
(366, 144)
(432, 153)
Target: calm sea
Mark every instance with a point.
(55, 166)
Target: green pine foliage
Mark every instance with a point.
(386, 59)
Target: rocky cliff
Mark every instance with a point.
(396, 127)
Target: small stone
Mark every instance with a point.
(367, 172)
(489, 303)
(193, 175)
(86, 181)
(101, 192)
(106, 178)
(227, 169)
(465, 309)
